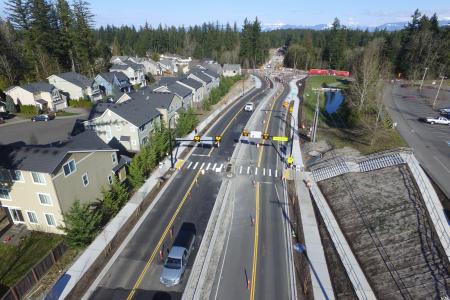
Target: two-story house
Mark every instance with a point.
(149, 64)
(40, 183)
(178, 89)
(214, 76)
(198, 91)
(201, 77)
(40, 94)
(74, 85)
(168, 66)
(125, 124)
(110, 84)
(230, 70)
(135, 72)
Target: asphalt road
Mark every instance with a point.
(256, 253)
(431, 143)
(175, 203)
(38, 133)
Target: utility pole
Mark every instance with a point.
(424, 74)
(316, 118)
(437, 94)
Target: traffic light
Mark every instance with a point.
(245, 132)
(265, 136)
(218, 138)
(197, 138)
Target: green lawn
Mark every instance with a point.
(358, 138)
(16, 261)
(62, 113)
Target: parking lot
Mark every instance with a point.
(431, 143)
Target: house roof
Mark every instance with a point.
(109, 76)
(123, 161)
(46, 158)
(36, 87)
(118, 67)
(179, 89)
(211, 73)
(76, 79)
(156, 99)
(200, 75)
(166, 62)
(127, 64)
(191, 82)
(167, 80)
(231, 67)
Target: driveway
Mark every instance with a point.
(431, 143)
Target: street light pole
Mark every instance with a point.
(437, 94)
(423, 78)
(316, 118)
(170, 143)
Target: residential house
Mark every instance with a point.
(230, 70)
(135, 72)
(201, 77)
(126, 124)
(168, 66)
(40, 183)
(198, 91)
(110, 85)
(185, 93)
(214, 76)
(74, 85)
(118, 60)
(212, 65)
(40, 94)
(149, 64)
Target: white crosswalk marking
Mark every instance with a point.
(201, 167)
(240, 170)
(256, 171)
(270, 172)
(214, 167)
(220, 168)
(207, 167)
(248, 170)
(264, 171)
(189, 165)
(195, 166)
(276, 173)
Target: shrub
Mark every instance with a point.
(82, 103)
(28, 109)
(10, 106)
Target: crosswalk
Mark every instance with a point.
(220, 167)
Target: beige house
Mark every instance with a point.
(74, 85)
(40, 183)
(230, 70)
(40, 94)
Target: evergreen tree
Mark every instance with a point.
(66, 34)
(83, 38)
(10, 106)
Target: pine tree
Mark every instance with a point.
(66, 33)
(83, 38)
(10, 106)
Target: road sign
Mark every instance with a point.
(285, 104)
(245, 132)
(280, 138)
(207, 140)
(218, 138)
(256, 134)
(290, 160)
(197, 138)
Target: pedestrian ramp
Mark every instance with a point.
(380, 162)
(338, 167)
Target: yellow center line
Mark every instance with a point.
(161, 240)
(255, 245)
(265, 130)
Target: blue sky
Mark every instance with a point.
(294, 12)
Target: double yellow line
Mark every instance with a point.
(256, 237)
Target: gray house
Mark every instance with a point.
(110, 84)
(198, 91)
(125, 125)
(185, 93)
(201, 77)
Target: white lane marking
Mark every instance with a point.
(240, 170)
(270, 172)
(214, 166)
(256, 171)
(264, 172)
(189, 165)
(248, 170)
(201, 167)
(195, 166)
(199, 154)
(207, 167)
(276, 173)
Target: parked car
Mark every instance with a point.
(249, 106)
(438, 120)
(43, 117)
(178, 257)
(445, 110)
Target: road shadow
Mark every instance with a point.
(120, 294)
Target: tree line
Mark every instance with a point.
(421, 44)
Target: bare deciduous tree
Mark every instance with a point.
(7, 70)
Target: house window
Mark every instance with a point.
(16, 215)
(32, 217)
(16, 175)
(114, 157)
(38, 178)
(69, 168)
(85, 179)
(4, 194)
(50, 218)
(110, 179)
(45, 199)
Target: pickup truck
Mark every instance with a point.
(437, 120)
(178, 257)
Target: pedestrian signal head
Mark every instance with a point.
(245, 132)
(265, 135)
(218, 138)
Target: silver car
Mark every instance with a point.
(174, 266)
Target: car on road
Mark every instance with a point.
(437, 120)
(178, 257)
(445, 110)
(249, 106)
(43, 117)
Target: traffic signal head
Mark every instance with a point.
(218, 138)
(245, 132)
(265, 135)
(197, 138)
